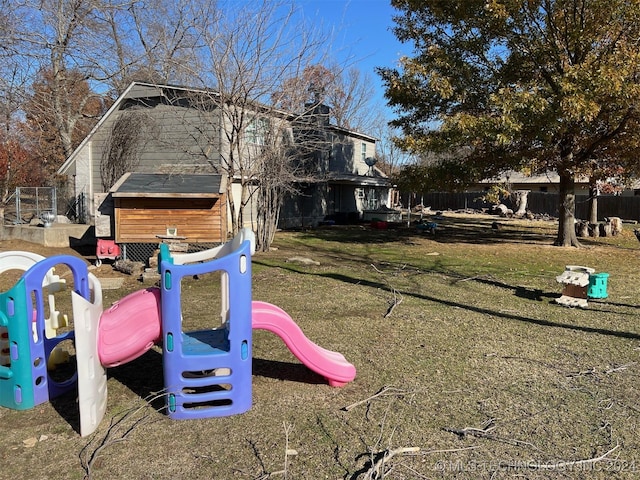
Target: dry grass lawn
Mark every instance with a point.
(467, 368)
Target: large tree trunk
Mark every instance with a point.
(593, 202)
(566, 227)
(520, 197)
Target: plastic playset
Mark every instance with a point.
(207, 373)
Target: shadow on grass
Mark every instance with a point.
(67, 407)
(293, 372)
(535, 321)
(481, 230)
(519, 291)
(144, 377)
(538, 295)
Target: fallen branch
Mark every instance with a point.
(384, 391)
(581, 373)
(451, 450)
(620, 368)
(118, 431)
(397, 296)
(415, 473)
(594, 371)
(287, 451)
(396, 301)
(475, 432)
(377, 469)
(485, 432)
(266, 476)
(560, 465)
(630, 407)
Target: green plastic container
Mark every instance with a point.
(597, 285)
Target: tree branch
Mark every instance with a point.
(561, 464)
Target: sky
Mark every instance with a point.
(361, 30)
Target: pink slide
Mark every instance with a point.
(130, 327)
(331, 365)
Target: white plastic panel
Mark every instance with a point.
(92, 376)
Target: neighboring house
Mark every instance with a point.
(168, 131)
(547, 182)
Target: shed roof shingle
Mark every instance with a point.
(167, 185)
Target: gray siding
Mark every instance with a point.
(175, 140)
(346, 155)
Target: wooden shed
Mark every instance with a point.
(150, 206)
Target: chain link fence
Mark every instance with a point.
(141, 252)
(29, 203)
(76, 209)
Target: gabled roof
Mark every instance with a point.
(127, 94)
(352, 133)
(115, 107)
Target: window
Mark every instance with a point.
(287, 136)
(256, 131)
(363, 151)
(372, 200)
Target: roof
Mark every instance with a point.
(358, 180)
(159, 88)
(352, 133)
(168, 185)
(127, 93)
(550, 177)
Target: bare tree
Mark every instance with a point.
(276, 176)
(155, 41)
(390, 156)
(237, 55)
(350, 100)
(247, 53)
(12, 88)
(126, 142)
(64, 45)
(81, 109)
(67, 38)
(347, 92)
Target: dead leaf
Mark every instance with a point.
(30, 442)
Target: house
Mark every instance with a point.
(548, 182)
(346, 183)
(173, 131)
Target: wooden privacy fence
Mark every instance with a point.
(625, 207)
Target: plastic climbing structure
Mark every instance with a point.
(207, 373)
